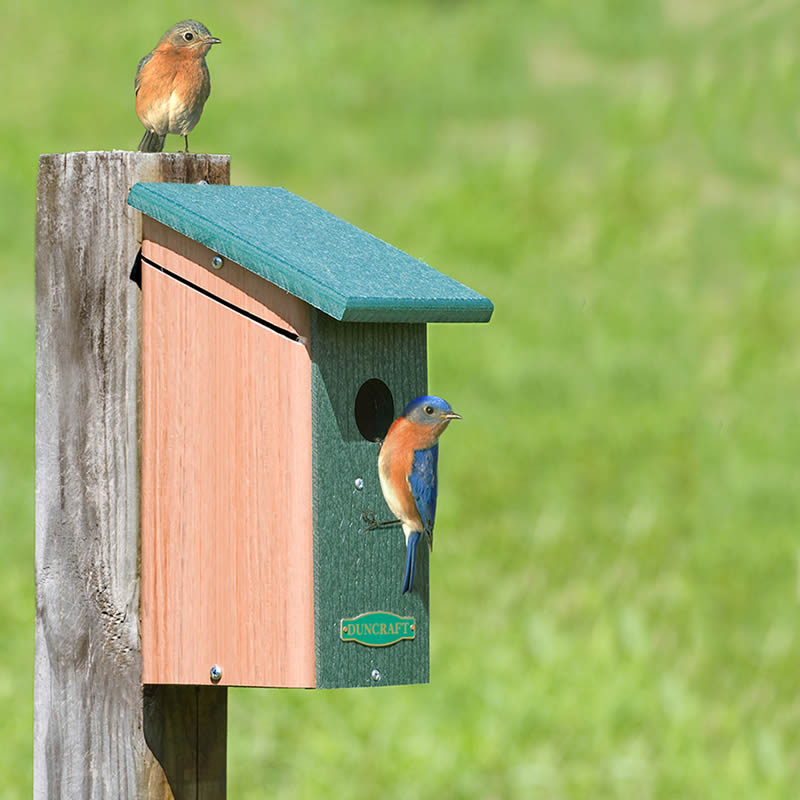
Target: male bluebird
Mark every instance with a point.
(407, 471)
(172, 84)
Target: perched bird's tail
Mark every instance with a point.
(411, 558)
(152, 142)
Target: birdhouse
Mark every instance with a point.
(278, 344)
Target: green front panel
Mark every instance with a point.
(356, 572)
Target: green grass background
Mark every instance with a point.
(617, 577)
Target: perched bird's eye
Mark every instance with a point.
(429, 410)
(188, 36)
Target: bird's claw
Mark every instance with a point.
(373, 524)
(369, 518)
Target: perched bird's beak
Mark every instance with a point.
(213, 40)
(452, 415)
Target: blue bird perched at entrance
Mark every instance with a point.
(407, 471)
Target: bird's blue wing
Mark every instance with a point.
(137, 81)
(423, 486)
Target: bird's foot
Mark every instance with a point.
(372, 522)
(369, 518)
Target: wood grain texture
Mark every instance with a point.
(227, 553)
(232, 282)
(357, 571)
(88, 699)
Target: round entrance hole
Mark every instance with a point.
(374, 409)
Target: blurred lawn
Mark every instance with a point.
(617, 576)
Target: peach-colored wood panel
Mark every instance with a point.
(232, 282)
(227, 556)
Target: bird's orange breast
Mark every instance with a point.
(173, 88)
(395, 461)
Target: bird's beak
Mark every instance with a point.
(452, 415)
(213, 40)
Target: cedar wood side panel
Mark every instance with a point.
(232, 282)
(227, 553)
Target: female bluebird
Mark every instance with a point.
(407, 470)
(172, 84)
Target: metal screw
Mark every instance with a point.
(359, 482)
(217, 262)
(376, 675)
(216, 673)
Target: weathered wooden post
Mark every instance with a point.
(97, 732)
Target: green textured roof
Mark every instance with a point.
(327, 262)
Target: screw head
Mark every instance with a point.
(216, 673)
(217, 262)
(376, 675)
(359, 482)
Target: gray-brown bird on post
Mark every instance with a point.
(172, 84)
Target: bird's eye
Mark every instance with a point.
(188, 36)
(429, 410)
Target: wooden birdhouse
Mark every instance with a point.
(278, 344)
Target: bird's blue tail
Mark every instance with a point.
(411, 558)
